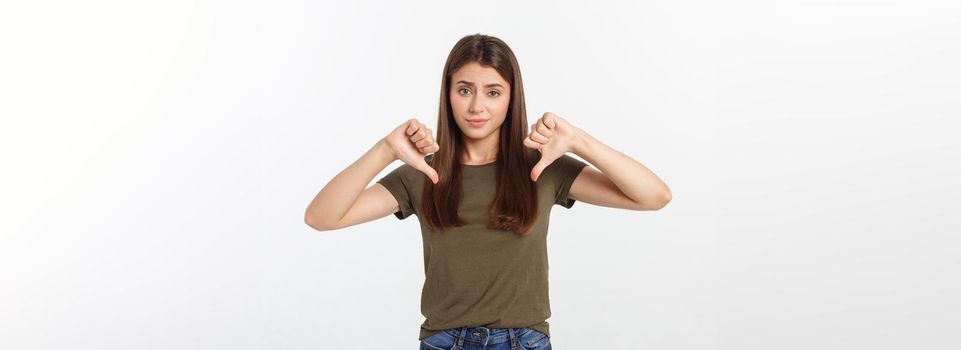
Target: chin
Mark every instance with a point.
(472, 136)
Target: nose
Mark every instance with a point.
(474, 106)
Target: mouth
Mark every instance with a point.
(477, 122)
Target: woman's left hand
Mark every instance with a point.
(552, 136)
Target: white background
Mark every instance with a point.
(157, 158)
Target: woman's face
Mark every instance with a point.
(479, 94)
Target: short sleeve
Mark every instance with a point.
(398, 184)
(565, 169)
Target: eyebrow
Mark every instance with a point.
(472, 84)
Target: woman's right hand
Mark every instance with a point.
(410, 142)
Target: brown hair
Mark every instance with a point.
(514, 207)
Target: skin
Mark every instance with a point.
(479, 92)
(618, 182)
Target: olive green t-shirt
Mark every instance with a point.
(479, 277)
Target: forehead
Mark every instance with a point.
(478, 74)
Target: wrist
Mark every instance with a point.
(581, 142)
(384, 151)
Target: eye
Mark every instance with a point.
(463, 89)
(495, 93)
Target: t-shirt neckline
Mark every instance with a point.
(479, 165)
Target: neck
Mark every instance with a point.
(481, 151)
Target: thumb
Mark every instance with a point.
(427, 170)
(539, 168)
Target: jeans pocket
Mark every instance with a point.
(438, 341)
(535, 340)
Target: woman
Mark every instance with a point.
(483, 223)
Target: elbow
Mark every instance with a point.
(318, 226)
(665, 198)
(655, 204)
(310, 222)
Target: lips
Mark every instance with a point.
(476, 122)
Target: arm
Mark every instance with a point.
(621, 182)
(344, 201)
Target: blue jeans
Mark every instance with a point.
(482, 338)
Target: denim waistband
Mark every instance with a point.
(484, 335)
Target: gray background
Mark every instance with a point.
(158, 157)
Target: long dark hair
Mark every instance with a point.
(514, 207)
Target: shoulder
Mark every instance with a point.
(405, 174)
(560, 167)
(533, 156)
(567, 161)
(412, 174)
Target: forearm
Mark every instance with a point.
(338, 196)
(631, 177)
